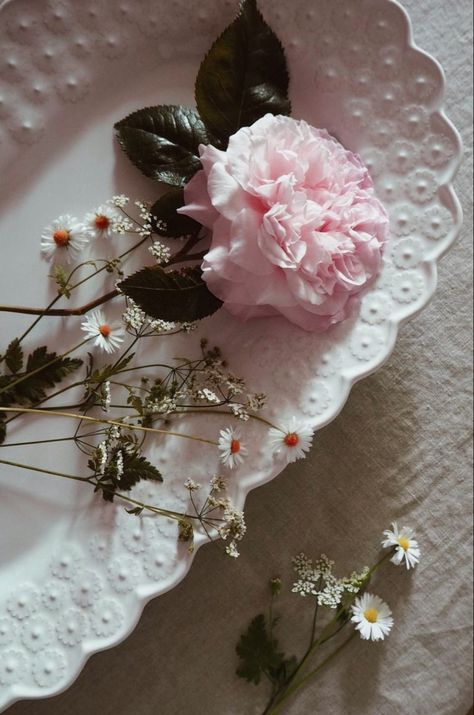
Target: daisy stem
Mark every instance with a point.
(326, 634)
(27, 375)
(156, 510)
(97, 420)
(46, 310)
(276, 708)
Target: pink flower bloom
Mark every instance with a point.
(296, 227)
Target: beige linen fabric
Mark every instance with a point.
(400, 449)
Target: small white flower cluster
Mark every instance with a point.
(318, 580)
(208, 395)
(119, 201)
(234, 527)
(109, 452)
(136, 321)
(144, 213)
(370, 614)
(106, 396)
(160, 252)
(165, 406)
(191, 485)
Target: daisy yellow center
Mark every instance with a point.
(404, 542)
(371, 615)
(105, 330)
(61, 237)
(101, 222)
(234, 446)
(291, 440)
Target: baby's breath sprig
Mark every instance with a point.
(346, 597)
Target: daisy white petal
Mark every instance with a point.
(231, 448)
(292, 440)
(372, 616)
(64, 238)
(107, 336)
(101, 221)
(406, 547)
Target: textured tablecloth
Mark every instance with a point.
(400, 449)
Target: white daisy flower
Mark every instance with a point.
(107, 336)
(292, 441)
(406, 547)
(64, 238)
(101, 221)
(372, 616)
(231, 448)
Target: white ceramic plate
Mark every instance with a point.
(75, 573)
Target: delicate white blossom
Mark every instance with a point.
(120, 201)
(372, 616)
(192, 485)
(218, 484)
(64, 238)
(101, 221)
(107, 336)
(208, 395)
(232, 551)
(234, 523)
(406, 547)
(231, 448)
(160, 252)
(133, 317)
(292, 440)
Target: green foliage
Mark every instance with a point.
(61, 278)
(259, 654)
(166, 222)
(100, 375)
(136, 468)
(180, 296)
(163, 142)
(243, 77)
(14, 357)
(43, 370)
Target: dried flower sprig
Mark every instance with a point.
(259, 651)
(150, 395)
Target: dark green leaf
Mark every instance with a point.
(173, 296)
(136, 511)
(33, 388)
(243, 77)
(257, 652)
(14, 356)
(166, 222)
(137, 468)
(163, 142)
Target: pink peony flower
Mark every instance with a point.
(296, 227)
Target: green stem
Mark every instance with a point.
(296, 686)
(326, 634)
(96, 420)
(89, 480)
(45, 471)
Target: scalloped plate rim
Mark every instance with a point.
(16, 691)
